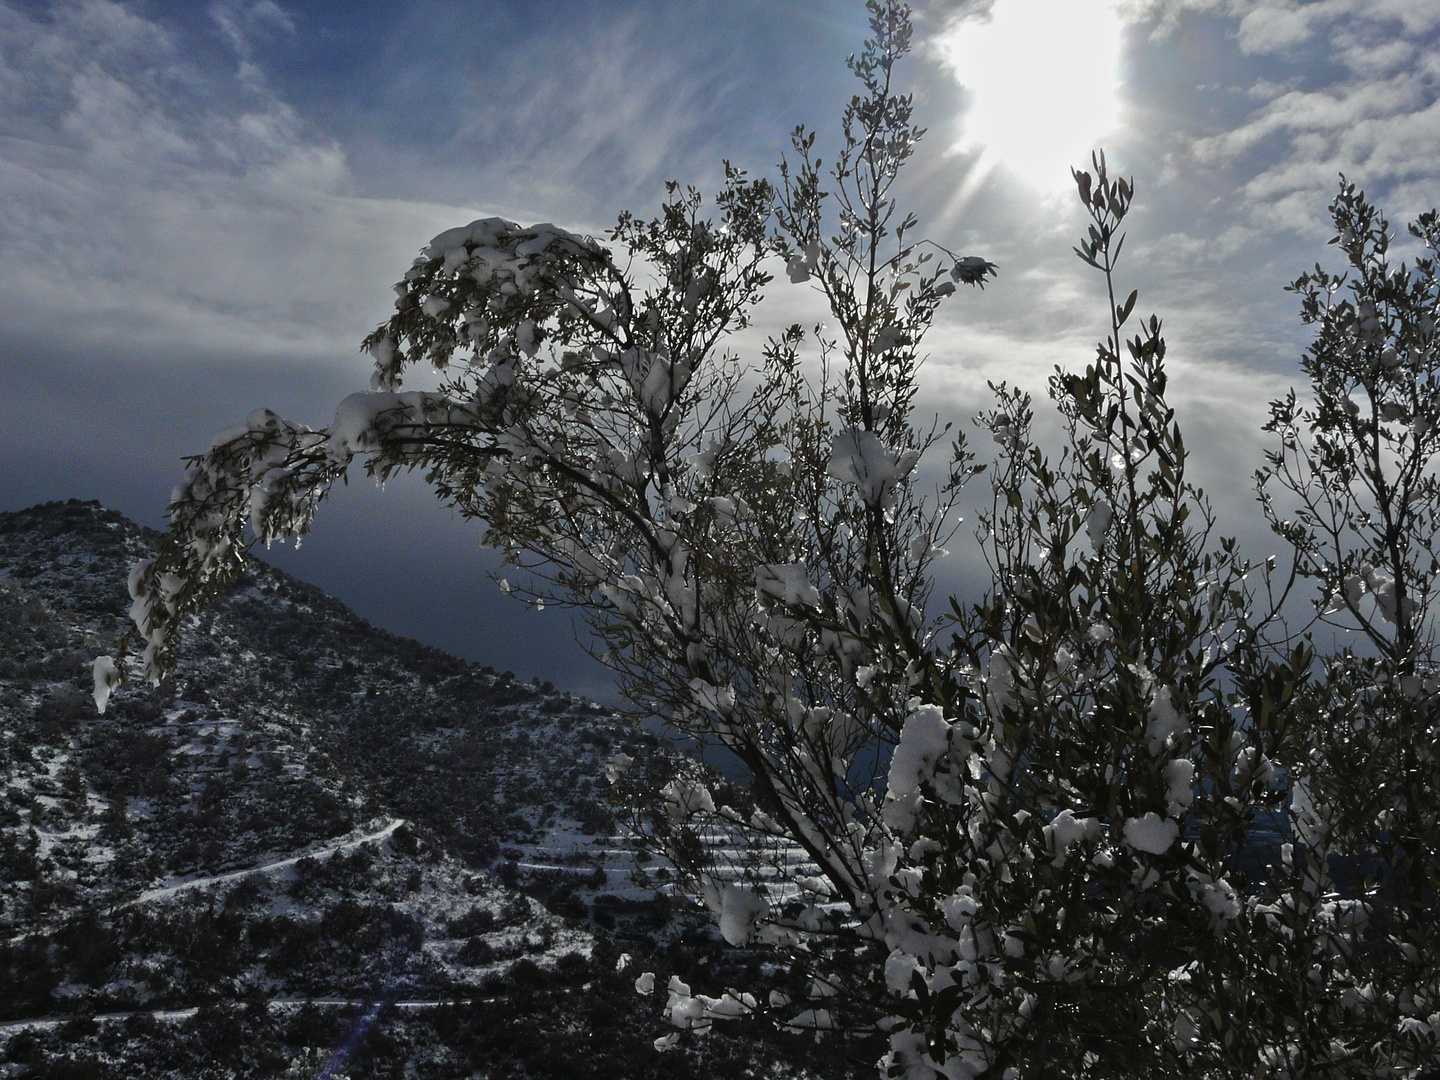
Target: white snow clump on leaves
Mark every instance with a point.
(1151, 833)
(696, 1012)
(645, 984)
(1382, 587)
(1220, 898)
(1099, 633)
(353, 428)
(1179, 776)
(362, 417)
(107, 677)
(383, 351)
(971, 270)
(717, 699)
(801, 265)
(618, 767)
(1097, 523)
(900, 968)
(683, 799)
(684, 1009)
(924, 739)
(1310, 826)
(812, 1020)
(140, 600)
(859, 457)
(657, 381)
(1066, 830)
(788, 583)
(739, 910)
(1165, 721)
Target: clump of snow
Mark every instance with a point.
(383, 351)
(697, 1012)
(618, 767)
(703, 461)
(1179, 778)
(645, 984)
(485, 232)
(107, 677)
(353, 428)
(140, 605)
(229, 435)
(656, 380)
(1382, 587)
(1097, 523)
(1165, 721)
(812, 1020)
(682, 799)
(362, 417)
(858, 457)
(923, 546)
(1151, 834)
(999, 684)
(740, 910)
(716, 699)
(1066, 830)
(684, 1009)
(1221, 899)
(924, 739)
(900, 968)
(801, 265)
(1310, 825)
(789, 583)
(972, 270)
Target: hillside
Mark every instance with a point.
(320, 849)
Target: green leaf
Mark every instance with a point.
(1123, 311)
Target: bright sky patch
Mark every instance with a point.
(1043, 75)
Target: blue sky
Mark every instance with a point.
(202, 208)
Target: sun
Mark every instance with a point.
(1043, 77)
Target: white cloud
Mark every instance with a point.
(1274, 27)
(597, 112)
(155, 181)
(150, 199)
(1347, 86)
(1271, 26)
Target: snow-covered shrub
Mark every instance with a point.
(1359, 503)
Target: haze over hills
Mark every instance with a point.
(320, 849)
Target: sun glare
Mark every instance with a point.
(1043, 77)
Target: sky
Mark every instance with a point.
(203, 208)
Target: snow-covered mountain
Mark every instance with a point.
(319, 850)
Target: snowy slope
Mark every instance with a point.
(314, 836)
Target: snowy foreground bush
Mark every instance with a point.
(1032, 828)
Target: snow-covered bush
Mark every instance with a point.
(1359, 504)
(1013, 840)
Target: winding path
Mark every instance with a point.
(165, 891)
